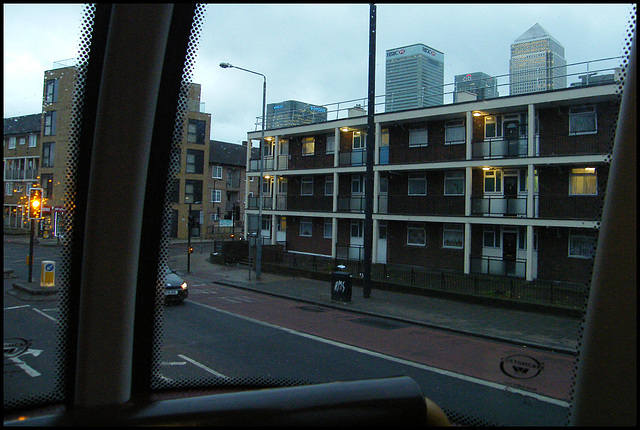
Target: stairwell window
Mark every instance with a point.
(50, 123)
(582, 120)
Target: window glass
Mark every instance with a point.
(454, 183)
(416, 234)
(583, 181)
(418, 137)
(417, 184)
(582, 120)
(308, 145)
(189, 356)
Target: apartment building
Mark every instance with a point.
(22, 147)
(37, 149)
(510, 186)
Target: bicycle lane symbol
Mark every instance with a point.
(15, 348)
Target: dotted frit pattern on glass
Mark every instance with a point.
(626, 50)
(56, 393)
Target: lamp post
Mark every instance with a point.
(264, 114)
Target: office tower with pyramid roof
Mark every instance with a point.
(537, 63)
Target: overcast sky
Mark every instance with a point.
(314, 53)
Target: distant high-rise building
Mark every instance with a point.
(537, 63)
(478, 83)
(292, 112)
(414, 77)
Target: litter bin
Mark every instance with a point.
(48, 274)
(341, 286)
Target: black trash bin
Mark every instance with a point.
(341, 286)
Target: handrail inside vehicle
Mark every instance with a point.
(130, 100)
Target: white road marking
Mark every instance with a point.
(202, 366)
(24, 366)
(44, 314)
(17, 307)
(399, 360)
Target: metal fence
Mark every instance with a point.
(562, 295)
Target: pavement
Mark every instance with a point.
(519, 327)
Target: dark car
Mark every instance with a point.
(175, 290)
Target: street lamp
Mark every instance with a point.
(264, 114)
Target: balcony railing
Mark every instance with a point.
(356, 157)
(351, 204)
(421, 205)
(499, 206)
(314, 161)
(500, 148)
(563, 206)
(576, 144)
(406, 154)
(305, 203)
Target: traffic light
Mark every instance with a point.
(190, 249)
(35, 203)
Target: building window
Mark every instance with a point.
(358, 140)
(417, 184)
(8, 188)
(454, 183)
(357, 229)
(306, 186)
(418, 137)
(306, 227)
(193, 191)
(328, 185)
(22, 141)
(492, 126)
(12, 143)
(216, 196)
(331, 143)
(492, 181)
(195, 161)
(216, 172)
(582, 246)
(50, 123)
(491, 237)
(51, 91)
(47, 154)
(195, 131)
(416, 234)
(308, 145)
(33, 140)
(582, 120)
(282, 185)
(583, 182)
(453, 236)
(328, 229)
(454, 132)
(357, 184)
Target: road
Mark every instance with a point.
(226, 334)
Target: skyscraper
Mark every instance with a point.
(537, 62)
(414, 77)
(478, 83)
(292, 112)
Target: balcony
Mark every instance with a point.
(351, 204)
(576, 144)
(315, 161)
(408, 154)
(499, 266)
(421, 205)
(563, 206)
(500, 206)
(305, 203)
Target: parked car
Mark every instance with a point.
(176, 289)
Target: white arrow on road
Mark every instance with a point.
(24, 366)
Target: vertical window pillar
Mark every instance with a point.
(467, 248)
(336, 150)
(530, 240)
(469, 135)
(531, 128)
(334, 234)
(467, 191)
